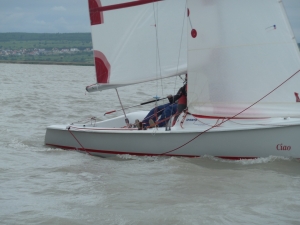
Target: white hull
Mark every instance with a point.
(234, 139)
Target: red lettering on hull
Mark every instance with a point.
(281, 147)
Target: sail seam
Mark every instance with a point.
(238, 46)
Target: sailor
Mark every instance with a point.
(160, 115)
(182, 98)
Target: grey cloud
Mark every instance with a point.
(44, 16)
(59, 8)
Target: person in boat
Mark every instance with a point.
(160, 115)
(182, 99)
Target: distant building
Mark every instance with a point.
(65, 50)
(74, 50)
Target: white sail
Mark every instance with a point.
(137, 41)
(238, 52)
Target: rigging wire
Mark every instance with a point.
(184, 15)
(158, 61)
(126, 119)
(158, 58)
(179, 52)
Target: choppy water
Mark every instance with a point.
(41, 185)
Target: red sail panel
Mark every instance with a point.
(102, 67)
(96, 17)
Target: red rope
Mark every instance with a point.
(216, 125)
(78, 141)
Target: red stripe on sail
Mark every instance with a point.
(102, 67)
(121, 5)
(96, 17)
(297, 97)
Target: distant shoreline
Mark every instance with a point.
(73, 49)
(47, 48)
(47, 63)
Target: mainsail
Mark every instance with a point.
(238, 53)
(137, 41)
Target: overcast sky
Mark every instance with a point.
(65, 16)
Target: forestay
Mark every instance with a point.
(238, 52)
(137, 41)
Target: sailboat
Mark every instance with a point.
(243, 66)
